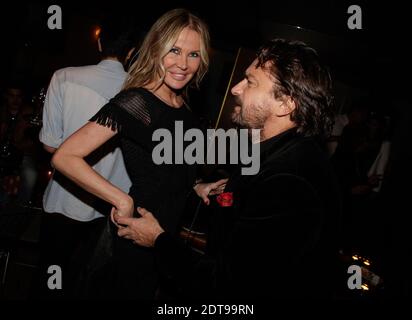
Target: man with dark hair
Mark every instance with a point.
(275, 230)
(116, 40)
(73, 97)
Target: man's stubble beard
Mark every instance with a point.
(257, 120)
(252, 117)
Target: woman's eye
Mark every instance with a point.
(175, 50)
(194, 55)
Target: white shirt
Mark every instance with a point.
(74, 95)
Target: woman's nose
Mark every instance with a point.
(182, 63)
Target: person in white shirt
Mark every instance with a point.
(75, 94)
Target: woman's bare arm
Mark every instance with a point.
(69, 160)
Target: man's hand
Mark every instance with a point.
(143, 231)
(203, 190)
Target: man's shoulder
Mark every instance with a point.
(298, 149)
(75, 70)
(67, 72)
(105, 84)
(70, 74)
(302, 159)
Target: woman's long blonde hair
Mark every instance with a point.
(159, 41)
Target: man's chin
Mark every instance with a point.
(238, 121)
(242, 124)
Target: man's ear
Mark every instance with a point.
(287, 106)
(99, 45)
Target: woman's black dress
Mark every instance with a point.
(160, 188)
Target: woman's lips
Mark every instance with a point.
(178, 76)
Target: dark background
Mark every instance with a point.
(371, 66)
(367, 64)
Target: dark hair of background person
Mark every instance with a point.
(118, 35)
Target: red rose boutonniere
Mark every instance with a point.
(225, 199)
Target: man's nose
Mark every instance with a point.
(238, 88)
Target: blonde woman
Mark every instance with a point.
(173, 56)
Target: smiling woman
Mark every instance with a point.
(173, 56)
(183, 60)
(175, 45)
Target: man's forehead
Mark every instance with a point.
(253, 71)
(252, 67)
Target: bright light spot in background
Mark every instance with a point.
(97, 32)
(365, 287)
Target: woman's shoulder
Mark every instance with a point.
(135, 102)
(123, 109)
(130, 96)
(138, 98)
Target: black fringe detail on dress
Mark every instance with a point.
(106, 117)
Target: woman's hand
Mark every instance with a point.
(143, 231)
(125, 208)
(203, 190)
